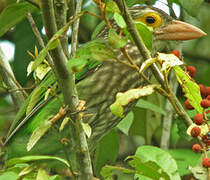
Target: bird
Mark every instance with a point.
(100, 86)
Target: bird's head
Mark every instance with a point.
(164, 26)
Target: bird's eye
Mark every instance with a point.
(150, 20)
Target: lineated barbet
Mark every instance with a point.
(100, 86)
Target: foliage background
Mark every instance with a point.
(131, 132)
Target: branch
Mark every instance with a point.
(38, 37)
(146, 55)
(61, 17)
(66, 82)
(167, 120)
(82, 155)
(18, 96)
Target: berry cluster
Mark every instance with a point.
(200, 119)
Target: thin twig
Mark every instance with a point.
(83, 155)
(38, 36)
(9, 79)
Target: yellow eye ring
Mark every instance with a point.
(151, 19)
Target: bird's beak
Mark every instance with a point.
(178, 30)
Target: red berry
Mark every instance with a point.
(202, 89)
(205, 103)
(188, 105)
(206, 162)
(195, 131)
(176, 53)
(198, 119)
(207, 112)
(196, 148)
(208, 97)
(191, 70)
(207, 90)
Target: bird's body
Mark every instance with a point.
(98, 89)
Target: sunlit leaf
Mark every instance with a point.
(190, 88)
(64, 123)
(112, 6)
(119, 20)
(204, 129)
(87, 129)
(26, 170)
(122, 99)
(156, 164)
(24, 159)
(199, 172)
(42, 174)
(147, 63)
(168, 61)
(37, 134)
(149, 169)
(9, 176)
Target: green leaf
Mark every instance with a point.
(97, 30)
(77, 64)
(64, 123)
(192, 6)
(112, 7)
(190, 88)
(150, 120)
(38, 133)
(184, 158)
(148, 105)
(96, 50)
(123, 99)
(199, 172)
(119, 20)
(55, 177)
(13, 14)
(52, 44)
(107, 150)
(158, 161)
(107, 171)
(168, 61)
(145, 32)
(26, 170)
(126, 123)
(149, 168)
(24, 159)
(115, 40)
(9, 176)
(87, 129)
(35, 97)
(42, 175)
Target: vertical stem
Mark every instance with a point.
(66, 82)
(61, 17)
(167, 120)
(83, 155)
(18, 96)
